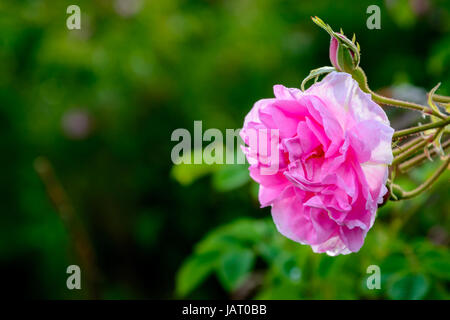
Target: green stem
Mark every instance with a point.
(401, 194)
(409, 152)
(417, 129)
(415, 148)
(398, 103)
(359, 75)
(441, 99)
(399, 149)
(417, 160)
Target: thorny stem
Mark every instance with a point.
(359, 75)
(410, 151)
(399, 103)
(411, 163)
(441, 99)
(402, 194)
(402, 148)
(425, 127)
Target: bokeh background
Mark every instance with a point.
(86, 118)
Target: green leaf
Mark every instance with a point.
(147, 228)
(284, 290)
(225, 249)
(288, 268)
(325, 265)
(194, 271)
(269, 251)
(241, 233)
(315, 74)
(391, 266)
(437, 263)
(408, 287)
(235, 267)
(230, 177)
(394, 263)
(187, 172)
(218, 241)
(402, 13)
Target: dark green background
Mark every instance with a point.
(135, 78)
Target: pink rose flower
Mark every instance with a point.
(332, 150)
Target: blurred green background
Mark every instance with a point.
(86, 118)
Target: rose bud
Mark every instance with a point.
(344, 53)
(341, 56)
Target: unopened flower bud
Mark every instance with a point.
(344, 53)
(341, 56)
